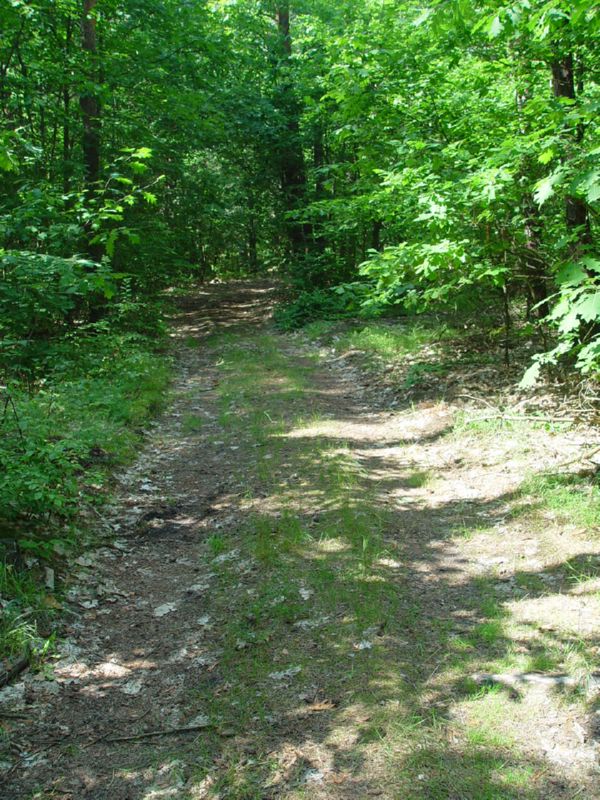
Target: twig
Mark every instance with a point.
(104, 735)
(163, 732)
(522, 418)
(30, 756)
(477, 399)
(586, 457)
(348, 353)
(8, 401)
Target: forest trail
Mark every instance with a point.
(306, 579)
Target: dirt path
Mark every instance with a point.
(305, 580)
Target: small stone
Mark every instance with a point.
(132, 687)
(166, 608)
(13, 695)
(313, 776)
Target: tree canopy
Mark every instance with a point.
(410, 155)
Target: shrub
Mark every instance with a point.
(346, 300)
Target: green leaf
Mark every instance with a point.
(589, 307)
(545, 188)
(547, 156)
(496, 27)
(593, 193)
(590, 263)
(589, 185)
(531, 376)
(572, 274)
(142, 152)
(110, 242)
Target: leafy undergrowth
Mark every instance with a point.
(342, 638)
(60, 443)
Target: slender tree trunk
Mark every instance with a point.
(91, 114)
(535, 269)
(89, 100)
(292, 167)
(530, 259)
(576, 211)
(376, 234)
(4, 67)
(252, 246)
(320, 241)
(66, 103)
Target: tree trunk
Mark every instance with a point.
(89, 100)
(292, 168)
(534, 267)
(91, 113)
(576, 212)
(320, 241)
(376, 234)
(66, 102)
(252, 246)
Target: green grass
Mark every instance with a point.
(489, 423)
(320, 329)
(391, 343)
(386, 341)
(418, 479)
(488, 633)
(570, 497)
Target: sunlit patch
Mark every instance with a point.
(331, 546)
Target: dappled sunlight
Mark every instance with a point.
(326, 587)
(576, 614)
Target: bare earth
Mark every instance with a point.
(302, 583)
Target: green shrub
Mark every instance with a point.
(346, 300)
(59, 441)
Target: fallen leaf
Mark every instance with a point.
(284, 674)
(321, 705)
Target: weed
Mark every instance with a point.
(216, 543)
(418, 479)
(570, 497)
(416, 373)
(390, 343)
(319, 329)
(191, 423)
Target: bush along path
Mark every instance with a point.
(313, 594)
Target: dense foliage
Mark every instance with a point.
(442, 154)
(380, 155)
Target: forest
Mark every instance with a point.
(398, 178)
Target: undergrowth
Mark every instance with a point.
(61, 438)
(337, 302)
